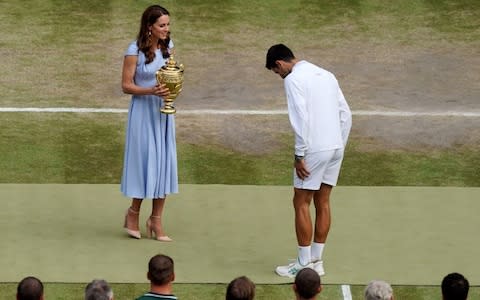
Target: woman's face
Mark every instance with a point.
(161, 27)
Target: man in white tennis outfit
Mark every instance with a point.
(321, 120)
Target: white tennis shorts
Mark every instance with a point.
(324, 167)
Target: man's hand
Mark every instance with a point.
(301, 169)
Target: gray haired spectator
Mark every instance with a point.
(98, 289)
(378, 290)
(455, 287)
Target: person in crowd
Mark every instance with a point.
(150, 158)
(321, 120)
(98, 289)
(378, 290)
(30, 288)
(161, 276)
(307, 284)
(455, 287)
(240, 288)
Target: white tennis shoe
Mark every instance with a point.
(291, 269)
(318, 267)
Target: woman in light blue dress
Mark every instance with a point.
(150, 161)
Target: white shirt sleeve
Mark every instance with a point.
(298, 115)
(345, 117)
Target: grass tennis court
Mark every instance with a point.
(222, 231)
(68, 54)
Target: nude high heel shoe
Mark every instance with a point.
(150, 229)
(132, 233)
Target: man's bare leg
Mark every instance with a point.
(304, 231)
(303, 220)
(321, 200)
(303, 224)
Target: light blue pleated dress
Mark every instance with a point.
(150, 160)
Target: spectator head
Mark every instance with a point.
(378, 290)
(160, 270)
(98, 289)
(240, 288)
(30, 288)
(307, 284)
(455, 287)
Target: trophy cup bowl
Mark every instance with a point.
(171, 75)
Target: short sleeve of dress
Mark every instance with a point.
(132, 49)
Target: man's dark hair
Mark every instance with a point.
(241, 288)
(30, 288)
(278, 52)
(160, 269)
(307, 283)
(455, 287)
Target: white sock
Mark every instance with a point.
(304, 255)
(317, 251)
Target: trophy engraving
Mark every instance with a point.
(171, 75)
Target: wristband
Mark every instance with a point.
(298, 158)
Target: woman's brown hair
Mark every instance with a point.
(144, 42)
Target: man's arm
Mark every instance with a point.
(297, 114)
(345, 117)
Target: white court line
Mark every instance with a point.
(347, 294)
(242, 112)
(416, 114)
(62, 109)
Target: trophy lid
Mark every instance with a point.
(171, 64)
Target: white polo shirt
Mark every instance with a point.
(317, 109)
